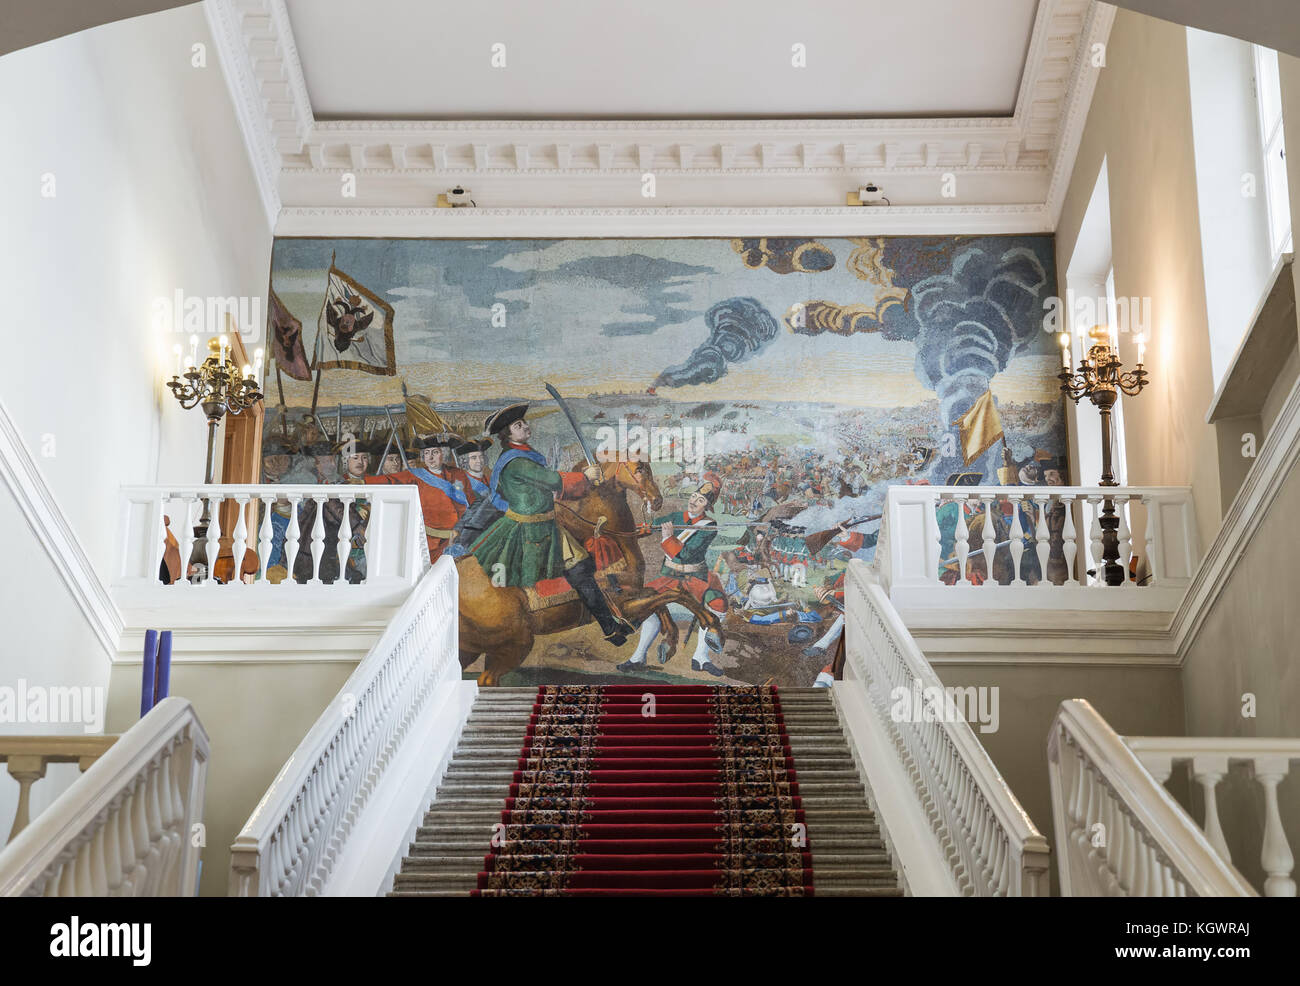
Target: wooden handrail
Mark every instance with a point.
(27, 757)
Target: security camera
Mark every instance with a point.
(870, 194)
(456, 198)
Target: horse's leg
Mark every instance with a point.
(637, 607)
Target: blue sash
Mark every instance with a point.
(437, 482)
(506, 458)
(479, 487)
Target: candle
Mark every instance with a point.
(248, 371)
(194, 349)
(1142, 347)
(176, 350)
(1065, 349)
(224, 341)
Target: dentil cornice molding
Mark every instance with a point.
(1018, 165)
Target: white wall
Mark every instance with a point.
(153, 192)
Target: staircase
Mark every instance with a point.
(702, 798)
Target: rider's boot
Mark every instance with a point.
(582, 577)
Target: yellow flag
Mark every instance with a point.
(421, 416)
(980, 427)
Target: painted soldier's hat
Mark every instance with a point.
(504, 418)
(349, 444)
(474, 445)
(439, 441)
(710, 488)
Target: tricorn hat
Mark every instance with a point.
(439, 441)
(474, 445)
(504, 418)
(964, 479)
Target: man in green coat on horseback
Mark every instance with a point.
(527, 545)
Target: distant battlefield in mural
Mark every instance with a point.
(652, 459)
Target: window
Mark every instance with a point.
(1268, 95)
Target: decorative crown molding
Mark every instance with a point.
(1018, 164)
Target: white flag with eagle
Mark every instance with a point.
(355, 328)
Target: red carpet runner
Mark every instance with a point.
(697, 799)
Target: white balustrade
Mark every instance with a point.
(366, 763)
(124, 828)
(1209, 759)
(383, 522)
(1119, 833)
(988, 844)
(1045, 537)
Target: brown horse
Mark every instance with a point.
(495, 621)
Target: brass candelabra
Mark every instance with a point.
(1101, 378)
(218, 385)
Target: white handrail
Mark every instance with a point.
(308, 819)
(1118, 831)
(124, 828)
(990, 845)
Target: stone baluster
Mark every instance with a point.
(1094, 541)
(292, 536)
(1125, 538)
(317, 538)
(345, 537)
(163, 524)
(1152, 505)
(1017, 544)
(1042, 543)
(214, 535)
(264, 538)
(990, 539)
(185, 537)
(962, 539)
(1275, 856)
(1069, 544)
(1208, 771)
(239, 538)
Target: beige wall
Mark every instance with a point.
(1135, 701)
(1248, 644)
(255, 715)
(1140, 123)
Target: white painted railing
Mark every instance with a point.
(939, 774)
(1210, 758)
(338, 816)
(939, 543)
(373, 534)
(125, 827)
(1119, 833)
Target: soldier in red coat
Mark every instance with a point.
(444, 495)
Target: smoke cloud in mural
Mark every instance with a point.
(784, 255)
(972, 321)
(738, 328)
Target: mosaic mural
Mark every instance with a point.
(653, 458)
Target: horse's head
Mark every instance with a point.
(635, 476)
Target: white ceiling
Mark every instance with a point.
(670, 59)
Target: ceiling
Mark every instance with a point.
(670, 59)
(676, 117)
